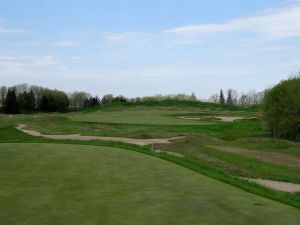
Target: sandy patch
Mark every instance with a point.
(189, 118)
(141, 142)
(230, 118)
(273, 157)
(222, 118)
(276, 185)
(170, 153)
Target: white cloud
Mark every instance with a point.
(14, 57)
(47, 60)
(75, 58)
(290, 63)
(185, 41)
(9, 67)
(4, 30)
(65, 43)
(27, 43)
(31, 60)
(263, 27)
(127, 37)
(122, 15)
(7, 30)
(77, 34)
(114, 57)
(12, 64)
(270, 24)
(250, 50)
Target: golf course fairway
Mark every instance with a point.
(47, 184)
(137, 116)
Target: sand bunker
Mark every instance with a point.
(141, 142)
(222, 118)
(273, 157)
(230, 118)
(276, 185)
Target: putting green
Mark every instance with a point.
(138, 116)
(59, 184)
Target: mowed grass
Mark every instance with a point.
(249, 134)
(73, 184)
(136, 122)
(137, 116)
(143, 122)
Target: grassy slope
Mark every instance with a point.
(247, 134)
(77, 184)
(149, 117)
(159, 113)
(11, 135)
(60, 124)
(231, 163)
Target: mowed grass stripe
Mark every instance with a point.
(149, 117)
(75, 184)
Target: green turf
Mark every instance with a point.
(234, 164)
(216, 164)
(75, 184)
(61, 124)
(267, 144)
(150, 117)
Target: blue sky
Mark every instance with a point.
(138, 48)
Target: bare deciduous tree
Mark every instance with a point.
(214, 98)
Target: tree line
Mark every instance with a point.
(159, 97)
(29, 98)
(233, 98)
(282, 109)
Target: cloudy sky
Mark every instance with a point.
(138, 48)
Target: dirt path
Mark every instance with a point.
(273, 157)
(141, 142)
(276, 185)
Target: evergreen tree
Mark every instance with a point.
(29, 100)
(92, 101)
(51, 103)
(11, 105)
(229, 100)
(193, 97)
(54, 101)
(221, 98)
(119, 98)
(44, 103)
(96, 101)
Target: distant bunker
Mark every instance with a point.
(220, 118)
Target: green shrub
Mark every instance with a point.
(282, 109)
